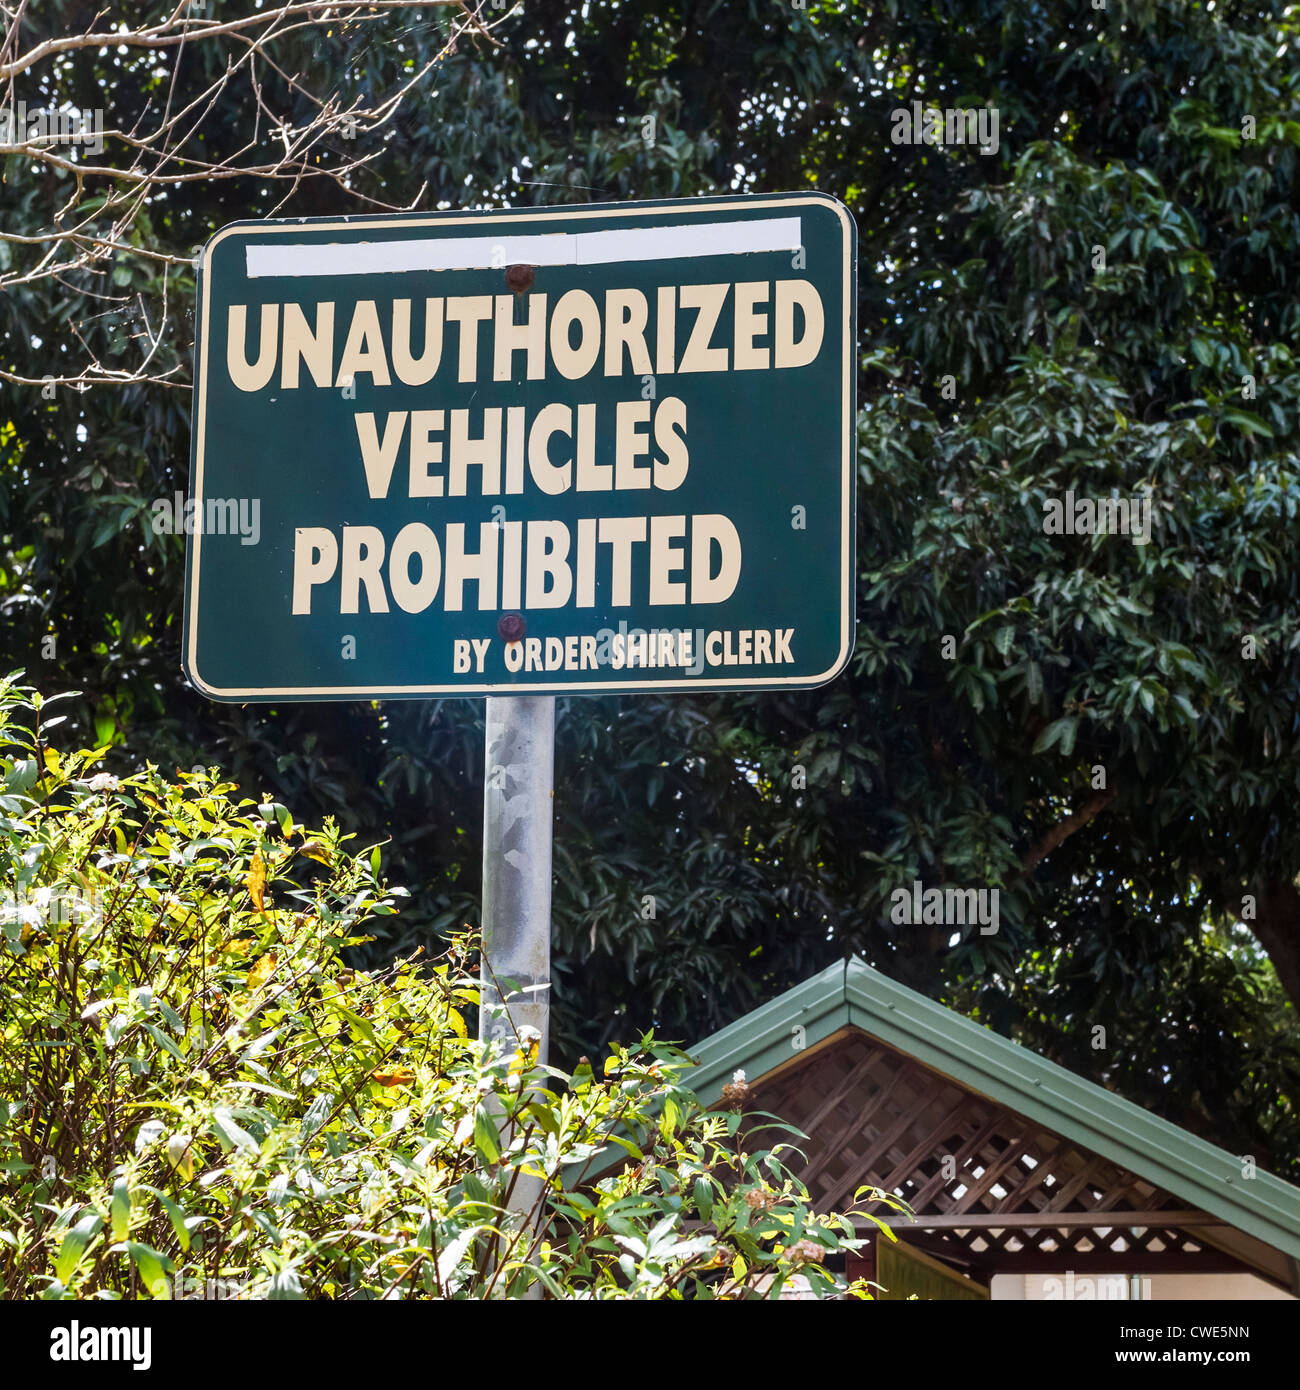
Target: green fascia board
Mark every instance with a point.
(852, 994)
(763, 1040)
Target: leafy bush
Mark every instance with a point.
(199, 1098)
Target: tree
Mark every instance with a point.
(1105, 305)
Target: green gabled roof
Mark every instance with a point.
(853, 995)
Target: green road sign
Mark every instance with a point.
(569, 449)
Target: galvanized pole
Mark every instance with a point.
(515, 976)
(519, 770)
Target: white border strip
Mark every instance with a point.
(562, 248)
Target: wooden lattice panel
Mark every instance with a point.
(1034, 1201)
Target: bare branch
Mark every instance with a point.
(105, 180)
(192, 28)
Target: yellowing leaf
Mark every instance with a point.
(180, 1150)
(256, 880)
(457, 1024)
(262, 970)
(313, 849)
(396, 1076)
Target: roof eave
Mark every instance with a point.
(851, 994)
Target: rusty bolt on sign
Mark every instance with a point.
(519, 278)
(511, 626)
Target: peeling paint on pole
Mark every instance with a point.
(519, 768)
(515, 978)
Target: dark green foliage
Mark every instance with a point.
(1119, 129)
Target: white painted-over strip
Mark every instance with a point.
(678, 242)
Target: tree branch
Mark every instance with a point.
(1062, 831)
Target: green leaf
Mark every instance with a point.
(120, 1209)
(230, 1133)
(1060, 731)
(182, 1222)
(1248, 424)
(22, 776)
(476, 1190)
(704, 1198)
(152, 1265)
(486, 1139)
(164, 1041)
(453, 1253)
(354, 1019)
(286, 1287)
(74, 1243)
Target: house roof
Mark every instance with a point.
(851, 995)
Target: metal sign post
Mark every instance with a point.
(515, 974)
(519, 763)
(518, 453)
